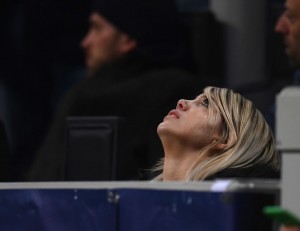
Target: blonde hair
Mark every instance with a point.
(248, 138)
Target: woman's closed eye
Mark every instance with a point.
(205, 102)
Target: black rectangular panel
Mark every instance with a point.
(96, 149)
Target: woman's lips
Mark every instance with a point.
(174, 113)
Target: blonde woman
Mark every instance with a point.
(219, 134)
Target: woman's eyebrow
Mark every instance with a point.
(201, 96)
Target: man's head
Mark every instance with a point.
(104, 43)
(289, 26)
(147, 27)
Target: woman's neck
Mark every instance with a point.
(178, 164)
(180, 158)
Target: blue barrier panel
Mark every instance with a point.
(56, 210)
(153, 210)
(115, 207)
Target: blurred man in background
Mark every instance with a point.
(135, 58)
(289, 26)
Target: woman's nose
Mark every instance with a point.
(182, 105)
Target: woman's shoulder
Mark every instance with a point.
(255, 171)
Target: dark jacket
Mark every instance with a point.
(133, 88)
(255, 171)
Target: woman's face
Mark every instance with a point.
(191, 123)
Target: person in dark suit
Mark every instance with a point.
(288, 24)
(218, 134)
(136, 63)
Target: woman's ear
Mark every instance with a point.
(219, 144)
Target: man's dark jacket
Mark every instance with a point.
(133, 88)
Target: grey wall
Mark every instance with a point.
(244, 40)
